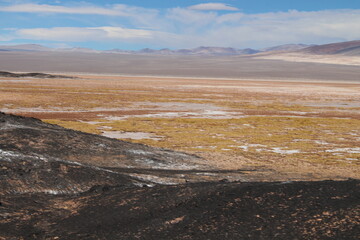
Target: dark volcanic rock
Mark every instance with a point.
(40, 157)
(33, 162)
(34, 173)
(32, 136)
(57, 183)
(34, 75)
(300, 210)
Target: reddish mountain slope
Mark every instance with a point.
(334, 48)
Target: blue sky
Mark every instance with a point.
(135, 24)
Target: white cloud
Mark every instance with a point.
(268, 29)
(213, 7)
(190, 18)
(123, 33)
(4, 38)
(186, 27)
(144, 17)
(103, 34)
(43, 8)
(77, 34)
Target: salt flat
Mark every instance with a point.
(237, 67)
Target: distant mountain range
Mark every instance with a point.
(24, 47)
(194, 51)
(205, 51)
(345, 48)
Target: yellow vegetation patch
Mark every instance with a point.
(264, 137)
(75, 125)
(310, 139)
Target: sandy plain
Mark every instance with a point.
(293, 129)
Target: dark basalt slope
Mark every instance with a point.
(32, 136)
(40, 157)
(34, 75)
(57, 183)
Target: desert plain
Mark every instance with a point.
(286, 127)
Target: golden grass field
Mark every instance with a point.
(303, 129)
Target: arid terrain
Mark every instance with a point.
(178, 147)
(299, 129)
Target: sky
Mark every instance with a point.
(175, 24)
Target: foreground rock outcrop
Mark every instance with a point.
(40, 157)
(301, 210)
(57, 183)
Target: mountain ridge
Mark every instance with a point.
(201, 51)
(345, 48)
(339, 48)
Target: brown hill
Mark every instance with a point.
(335, 48)
(285, 47)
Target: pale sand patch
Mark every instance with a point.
(130, 135)
(301, 57)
